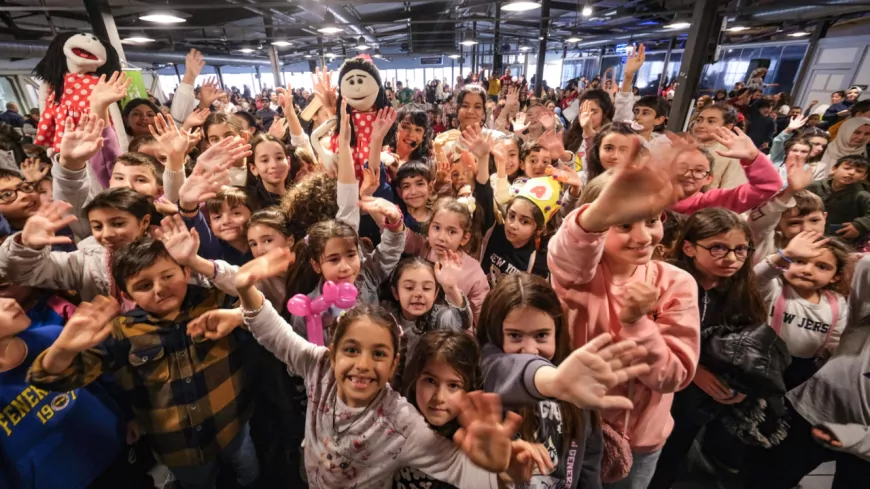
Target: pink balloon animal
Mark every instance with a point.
(342, 296)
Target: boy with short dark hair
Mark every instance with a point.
(190, 397)
(846, 198)
(649, 112)
(222, 230)
(140, 172)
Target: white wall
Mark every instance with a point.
(838, 63)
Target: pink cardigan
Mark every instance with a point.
(672, 335)
(472, 280)
(763, 182)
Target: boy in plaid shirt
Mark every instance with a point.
(190, 397)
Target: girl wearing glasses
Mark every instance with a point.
(715, 248)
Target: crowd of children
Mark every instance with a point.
(518, 301)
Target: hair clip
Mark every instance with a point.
(305, 240)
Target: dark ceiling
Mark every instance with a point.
(226, 26)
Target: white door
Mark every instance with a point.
(822, 83)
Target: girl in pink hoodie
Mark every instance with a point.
(601, 268)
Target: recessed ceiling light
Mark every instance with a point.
(163, 18)
(137, 40)
(737, 28)
(587, 11)
(361, 44)
(330, 55)
(308, 56)
(524, 48)
(468, 42)
(454, 56)
(247, 50)
(520, 6)
(678, 25)
(329, 30)
(573, 39)
(281, 44)
(799, 34)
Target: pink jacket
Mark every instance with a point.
(472, 280)
(763, 183)
(671, 336)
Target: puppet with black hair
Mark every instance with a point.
(69, 71)
(360, 84)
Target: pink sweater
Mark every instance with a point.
(472, 280)
(763, 182)
(593, 302)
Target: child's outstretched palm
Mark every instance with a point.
(80, 143)
(272, 264)
(216, 324)
(221, 156)
(166, 134)
(107, 92)
(585, 376)
(485, 437)
(181, 243)
(797, 175)
(737, 144)
(796, 123)
(384, 120)
(448, 269)
(806, 245)
(476, 141)
(89, 326)
(39, 230)
(196, 119)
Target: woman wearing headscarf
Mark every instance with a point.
(852, 139)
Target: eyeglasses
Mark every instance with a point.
(697, 174)
(10, 195)
(721, 251)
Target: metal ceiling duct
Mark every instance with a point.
(18, 49)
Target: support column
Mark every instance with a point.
(542, 47)
(103, 25)
(671, 45)
(276, 67)
(819, 33)
(474, 48)
(220, 75)
(706, 24)
(496, 43)
(598, 63)
(177, 72)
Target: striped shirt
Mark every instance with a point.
(190, 398)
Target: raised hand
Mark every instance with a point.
(39, 230)
(442, 172)
(216, 324)
(324, 90)
(201, 186)
(635, 59)
(193, 139)
(520, 124)
(586, 119)
(278, 129)
(371, 181)
(81, 143)
(108, 92)
(484, 436)
(344, 134)
(477, 142)
(384, 120)
(565, 175)
(737, 144)
(33, 170)
(193, 64)
(796, 123)
(512, 99)
(285, 99)
(806, 245)
(525, 458)
(554, 144)
(377, 206)
(209, 92)
(175, 142)
(589, 371)
(89, 326)
(222, 155)
(272, 264)
(640, 188)
(181, 243)
(640, 300)
(195, 119)
(448, 269)
(799, 177)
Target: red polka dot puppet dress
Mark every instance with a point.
(69, 71)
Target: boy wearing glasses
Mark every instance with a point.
(19, 200)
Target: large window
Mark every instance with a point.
(736, 63)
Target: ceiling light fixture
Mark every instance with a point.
(329, 26)
(799, 34)
(678, 25)
(330, 55)
(737, 28)
(573, 38)
(163, 18)
(281, 44)
(520, 6)
(454, 56)
(137, 40)
(247, 50)
(361, 44)
(308, 55)
(524, 48)
(468, 42)
(587, 11)
(377, 54)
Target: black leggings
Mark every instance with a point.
(783, 466)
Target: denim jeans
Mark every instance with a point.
(642, 469)
(239, 453)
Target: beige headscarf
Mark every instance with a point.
(840, 147)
